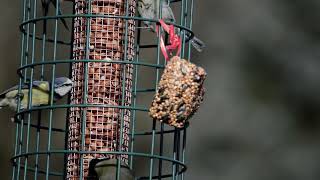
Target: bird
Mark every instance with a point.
(40, 93)
(45, 9)
(149, 9)
(106, 169)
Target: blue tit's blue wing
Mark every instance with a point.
(41, 85)
(54, 2)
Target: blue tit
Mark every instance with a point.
(40, 93)
(106, 169)
(45, 9)
(149, 9)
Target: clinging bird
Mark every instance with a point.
(106, 169)
(149, 9)
(40, 93)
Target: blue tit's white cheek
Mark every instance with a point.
(61, 91)
(12, 103)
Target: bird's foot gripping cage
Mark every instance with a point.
(108, 57)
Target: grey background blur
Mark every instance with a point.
(260, 118)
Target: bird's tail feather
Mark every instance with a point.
(63, 20)
(197, 44)
(60, 13)
(45, 14)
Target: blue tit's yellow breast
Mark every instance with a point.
(39, 97)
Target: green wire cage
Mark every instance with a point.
(107, 53)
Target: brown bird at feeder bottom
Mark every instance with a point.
(106, 169)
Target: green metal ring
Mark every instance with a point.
(105, 16)
(53, 173)
(86, 61)
(184, 167)
(146, 133)
(162, 176)
(141, 133)
(78, 105)
(50, 40)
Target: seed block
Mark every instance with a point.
(179, 93)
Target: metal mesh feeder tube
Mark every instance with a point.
(104, 39)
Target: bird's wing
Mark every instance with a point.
(167, 13)
(41, 85)
(45, 11)
(45, 6)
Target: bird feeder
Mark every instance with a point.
(105, 118)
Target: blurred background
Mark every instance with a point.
(261, 115)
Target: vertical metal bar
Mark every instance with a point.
(69, 98)
(26, 53)
(17, 139)
(30, 88)
(162, 124)
(14, 163)
(183, 22)
(85, 93)
(152, 148)
(160, 151)
(156, 87)
(123, 88)
(37, 145)
(135, 95)
(184, 144)
(20, 146)
(190, 27)
(178, 153)
(15, 151)
(44, 37)
(184, 141)
(174, 154)
(25, 58)
(53, 71)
